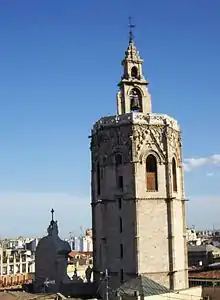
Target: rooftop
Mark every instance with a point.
(212, 274)
(24, 295)
(202, 248)
(144, 285)
(80, 253)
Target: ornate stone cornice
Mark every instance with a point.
(136, 118)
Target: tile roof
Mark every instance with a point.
(24, 296)
(202, 248)
(80, 253)
(144, 285)
(205, 274)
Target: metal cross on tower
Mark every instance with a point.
(52, 212)
(131, 26)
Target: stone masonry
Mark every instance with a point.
(138, 205)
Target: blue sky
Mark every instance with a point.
(59, 69)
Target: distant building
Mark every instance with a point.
(202, 255)
(86, 244)
(79, 262)
(82, 243)
(32, 245)
(16, 261)
(75, 243)
(89, 232)
(192, 238)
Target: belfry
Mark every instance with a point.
(138, 204)
(133, 93)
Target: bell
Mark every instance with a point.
(135, 104)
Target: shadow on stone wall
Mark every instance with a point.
(73, 289)
(79, 290)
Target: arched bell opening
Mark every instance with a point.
(135, 100)
(134, 72)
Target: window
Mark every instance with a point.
(121, 275)
(151, 173)
(134, 72)
(119, 203)
(174, 175)
(120, 224)
(118, 160)
(121, 251)
(98, 179)
(120, 182)
(23, 268)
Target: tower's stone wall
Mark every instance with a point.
(137, 187)
(153, 233)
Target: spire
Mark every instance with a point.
(131, 54)
(133, 93)
(53, 227)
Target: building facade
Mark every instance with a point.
(138, 205)
(16, 261)
(82, 243)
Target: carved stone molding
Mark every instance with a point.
(144, 134)
(135, 118)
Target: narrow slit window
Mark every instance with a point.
(174, 175)
(121, 251)
(120, 183)
(119, 203)
(121, 275)
(98, 179)
(120, 225)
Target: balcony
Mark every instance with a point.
(23, 258)
(4, 259)
(11, 259)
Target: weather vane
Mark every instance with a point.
(131, 26)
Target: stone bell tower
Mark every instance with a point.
(138, 205)
(133, 94)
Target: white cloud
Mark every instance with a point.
(190, 164)
(211, 174)
(29, 213)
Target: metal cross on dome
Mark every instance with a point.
(52, 212)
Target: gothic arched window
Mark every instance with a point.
(135, 100)
(174, 177)
(151, 173)
(98, 179)
(134, 72)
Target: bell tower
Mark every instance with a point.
(138, 204)
(133, 93)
